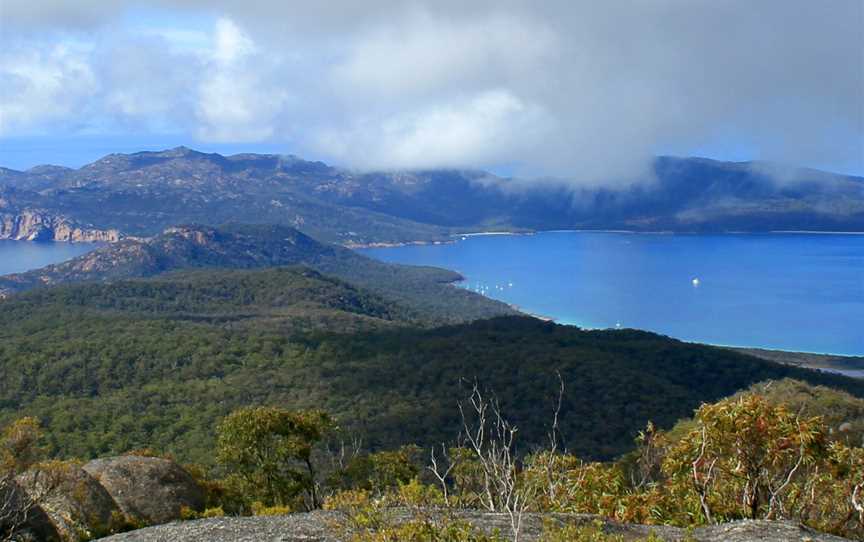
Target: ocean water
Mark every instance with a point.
(801, 292)
(18, 256)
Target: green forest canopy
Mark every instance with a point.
(157, 362)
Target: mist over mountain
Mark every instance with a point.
(140, 194)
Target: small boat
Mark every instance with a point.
(695, 282)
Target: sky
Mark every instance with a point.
(576, 89)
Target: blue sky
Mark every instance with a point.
(575, 89)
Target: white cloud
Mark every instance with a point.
(483, 128)
(235, 101)
(181, 39)
(40, 86)
(231, 44)
(426, 55)
(575, 87)
(144, 89)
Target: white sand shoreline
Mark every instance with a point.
(567, 322)
(482, 233)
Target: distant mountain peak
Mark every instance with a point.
(49, 169)
(199, 235)
(175, 152)
(180, 152)
(184, 229)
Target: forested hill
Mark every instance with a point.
(157, 362)
(423, 291)
(288, 300)
(140, 194)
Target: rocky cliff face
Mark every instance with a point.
(38, 226)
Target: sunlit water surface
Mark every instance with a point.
(787, 291)
(18, 256)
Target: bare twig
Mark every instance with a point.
(441, 473)
(491, 440)
(702, 483)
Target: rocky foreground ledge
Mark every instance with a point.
(89, 498)
(323, 526)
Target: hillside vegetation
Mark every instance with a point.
(155, 362)
(750, 456)
(424, 292)
(290, 299)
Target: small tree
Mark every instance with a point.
(833, 501)
(20, 446)
(269, 451)
(744, 458)
(651, 444)
(382, 471)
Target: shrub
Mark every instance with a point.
(268, 451)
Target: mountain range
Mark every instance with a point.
(141, 194)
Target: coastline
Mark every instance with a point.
(541, 317)
(810, 359)
(848, 365)
(455, 237)
(353, 246)
(483, 233)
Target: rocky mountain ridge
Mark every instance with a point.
(143, 193)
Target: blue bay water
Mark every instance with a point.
(18, 256)
(797, 292)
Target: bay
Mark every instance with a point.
(19, 256)
(799, 292)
